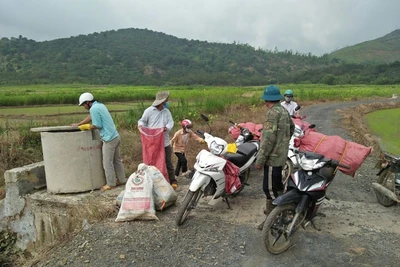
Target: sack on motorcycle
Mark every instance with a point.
(335, 147)
(254, 128)
(232, 180)
(303, 125)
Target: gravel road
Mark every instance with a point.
(356, 230)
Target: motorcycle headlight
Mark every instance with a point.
(215, 148)
(310, 164)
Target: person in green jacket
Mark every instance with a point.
(278, 127)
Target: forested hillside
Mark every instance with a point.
(145, 57)
(382, 50)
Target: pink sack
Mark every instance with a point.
(153, 151)
(254, 128)
(303, 125)
(232, 180)
(335, 147)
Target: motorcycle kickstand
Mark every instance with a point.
(261, 225)
(227, 202)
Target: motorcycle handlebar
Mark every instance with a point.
(344, 166)
(232, 122)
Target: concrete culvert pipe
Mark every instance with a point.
(72, 158)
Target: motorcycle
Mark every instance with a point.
(209, 177)
(299, 205)
(387, 186)
(292, 163)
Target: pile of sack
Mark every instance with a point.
(334, 147)
(146, 191)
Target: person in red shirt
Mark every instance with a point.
(179, 142)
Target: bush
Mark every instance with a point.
(7, 249)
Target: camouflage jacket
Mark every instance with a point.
(277, 129)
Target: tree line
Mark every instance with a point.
(145, 57)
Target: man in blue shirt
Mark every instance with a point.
(101, 119)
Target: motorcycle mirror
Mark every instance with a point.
(200, 133)
(204, 117)
(311, 126)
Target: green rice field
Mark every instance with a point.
(49, 105)
(385, 125)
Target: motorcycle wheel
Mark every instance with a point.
(275, 236)
(189, 203)
(244, 177)
(385, 179)
(286, 172)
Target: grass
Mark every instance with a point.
(69, 94)
(384, 124)
(55, 110)
(127, 104)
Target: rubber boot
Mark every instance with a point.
(268, 208)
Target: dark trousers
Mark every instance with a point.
(182, 163)
(170, 166)
(272, 182)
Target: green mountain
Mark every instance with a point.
(145, 57)
(379, 51)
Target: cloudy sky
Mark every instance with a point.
(316, 26)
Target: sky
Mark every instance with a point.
(304, 26)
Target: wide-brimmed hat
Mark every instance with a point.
(160, 97)
(271, 93)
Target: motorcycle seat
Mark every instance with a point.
(247, 149)
(244, 152)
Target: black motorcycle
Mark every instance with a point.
(299, 205)
(387, 186)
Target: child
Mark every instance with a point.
(179, 141)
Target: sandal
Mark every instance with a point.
(106, 187)
(120, 183)
(174, 185)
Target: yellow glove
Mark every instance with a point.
(84, 127)
(232, 148)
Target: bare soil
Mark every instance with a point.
(355, 229)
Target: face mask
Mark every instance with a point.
(166, 105)
(288, 99)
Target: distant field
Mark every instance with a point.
(69, 94)
(385, 125)
(48, 105)
(55, 110)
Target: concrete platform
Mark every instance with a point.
(41, 218)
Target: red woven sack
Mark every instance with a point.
(232, 180)
(335, 147)
(153, 148)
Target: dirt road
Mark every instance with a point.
(356, 230)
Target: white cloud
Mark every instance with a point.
(317, 26)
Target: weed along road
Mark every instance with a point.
(355, 229)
